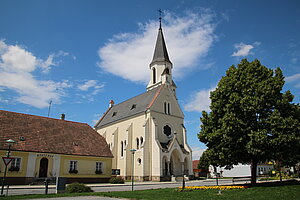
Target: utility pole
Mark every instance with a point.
(49, 107)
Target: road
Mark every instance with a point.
(26, 189)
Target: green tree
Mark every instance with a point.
(248, 111)
(204, 162)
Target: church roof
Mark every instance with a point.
(47, 135)
(131, 107)
(160, 51)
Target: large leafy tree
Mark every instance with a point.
(251, 120)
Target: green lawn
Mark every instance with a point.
(286, 191)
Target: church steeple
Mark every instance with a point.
(160, 51)
(161, 66)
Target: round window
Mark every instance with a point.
(167, 130)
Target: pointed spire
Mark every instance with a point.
(160, 51)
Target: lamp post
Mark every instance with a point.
(132, 177)
(10, 142)
(183, 180)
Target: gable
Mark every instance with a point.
(166, 95)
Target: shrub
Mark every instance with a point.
(115, 180)
(77, 188)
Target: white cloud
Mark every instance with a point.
(91, 85)
(197, 152)
(88, 84)
(16, 66)
(244, 49)
(199, 101)
(49, 62)
(294, 78)
(188, 39)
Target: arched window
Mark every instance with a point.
(167, 71)
(139, 161)
(154, 75)
(137, 143)
(122, 147)
(142, 140)
(167, 108)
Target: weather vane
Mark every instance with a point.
(160, 13)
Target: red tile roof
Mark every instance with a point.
(48, 135)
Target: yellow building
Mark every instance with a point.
(50, 148)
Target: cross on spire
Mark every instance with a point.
(160, 13)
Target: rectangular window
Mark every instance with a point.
(99, 167)
(73, 165)
(16, 162)
(122, 148)
(15, 165)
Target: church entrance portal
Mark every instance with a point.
(175, 164)
(43, 168)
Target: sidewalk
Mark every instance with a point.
(92, 185)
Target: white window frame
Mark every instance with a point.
(16, 162)
(99, 166)
(73, 165)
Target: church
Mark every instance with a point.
(146, 133)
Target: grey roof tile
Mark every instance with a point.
(125, 109)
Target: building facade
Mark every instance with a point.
(50, 148)
(151, 123)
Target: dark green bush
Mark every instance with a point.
(77, 188)
(115, 180)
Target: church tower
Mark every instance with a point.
(161, 66)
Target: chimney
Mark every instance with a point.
(62, 116)
(111, 103)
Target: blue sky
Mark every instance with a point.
(80, 54)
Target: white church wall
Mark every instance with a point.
(127, 132)
(155, 151)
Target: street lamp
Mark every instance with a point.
(10, 142)
(132, 177)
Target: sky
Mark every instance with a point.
(80, 54)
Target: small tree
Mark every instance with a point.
(247, 112)
(204, 162)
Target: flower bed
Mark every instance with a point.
(221, 187)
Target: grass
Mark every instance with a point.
(286, 190)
